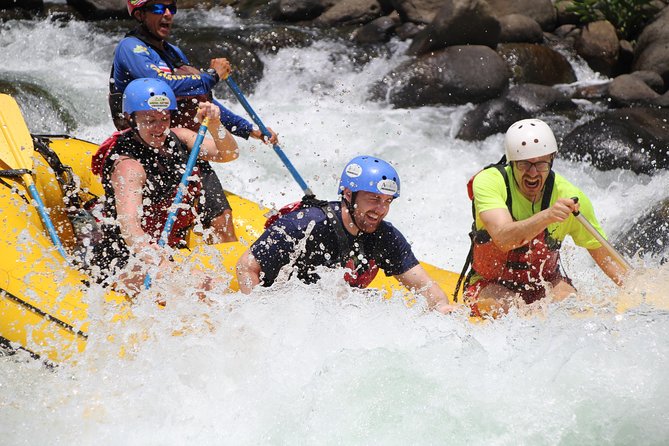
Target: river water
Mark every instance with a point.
(326, 364)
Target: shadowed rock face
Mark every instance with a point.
(458, 22)
(631, 138)
(649, 233)
(494, 116)
(456, 75)
(536, 64)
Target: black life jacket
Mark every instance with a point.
(362, 272)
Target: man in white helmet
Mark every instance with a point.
(523, 212)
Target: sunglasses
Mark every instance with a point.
(541, 166)
(160, 8)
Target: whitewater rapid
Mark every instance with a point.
(326, 364)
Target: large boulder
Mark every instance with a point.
(519, 102)
(417, 11)
(535, 98)
(652, 48)
(455, 75)
(627, 90)
(100, 9)
(519, 28)
(629, 138)
(298, 10)
(458, 22)
(598, 44)
(377, 31)
(536, 64)
(350, 12)
(490, 117)
(542, 11)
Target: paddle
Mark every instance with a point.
(16, 151)
(172, 216)
(616, 256)
(242, 100)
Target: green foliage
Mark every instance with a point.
(628, 16)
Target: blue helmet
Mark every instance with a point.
(370, 174)
(148, 94)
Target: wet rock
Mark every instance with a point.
(271, 40)
(200, 49)
(519, 28)
(417, 11)
(458, 22)
(649, 233)
(299, 10)
(350, 12)
(535, 98)
(652, 79)
(31, 5)
(408, 30)
(564, 15)
(626, 90)
(650, 52)
(598, 45)
(536, 64)
(100, 9)
(455, 75)
(490, 117)
(377, 31)
(20, 9)
(43, 111)
(629, 138)
(542, 11)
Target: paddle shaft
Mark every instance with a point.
(183, 184)
(286, 162)
(591, 229)
(41, 209)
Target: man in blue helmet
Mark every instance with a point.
(351, 233)
(140, 169)
(145, 53)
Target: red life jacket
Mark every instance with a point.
(361, 273)
(522, 268)
(155, 215)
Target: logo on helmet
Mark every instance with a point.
(388, 187)
(159, 102)
(353, 170)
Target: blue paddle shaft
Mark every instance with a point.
(242, 100)
(47, 221)
(183, 184)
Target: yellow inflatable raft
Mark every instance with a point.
(42, 296)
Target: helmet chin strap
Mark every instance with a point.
(350, 205)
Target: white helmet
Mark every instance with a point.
(529, 138)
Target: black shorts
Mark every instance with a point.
(213, 201)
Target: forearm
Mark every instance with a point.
(518, 233)
(220, 149)
(237, 125)
(608, 265)
(418, 280)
